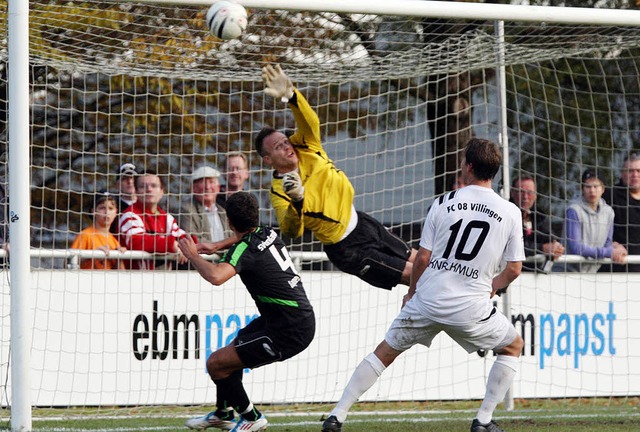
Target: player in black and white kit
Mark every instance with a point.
(286, 324)
(467, 234)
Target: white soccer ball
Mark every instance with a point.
(226, 20)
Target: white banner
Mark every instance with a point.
(130, 338)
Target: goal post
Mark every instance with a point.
(399, 87)
(445, 9)
(18, 218)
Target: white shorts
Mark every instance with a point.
(411, 328)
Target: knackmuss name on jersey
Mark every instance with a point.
(444, 264)
(478, 207)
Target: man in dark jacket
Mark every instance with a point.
(624, 197)
(535, 226)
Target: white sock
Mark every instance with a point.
(499, 381)
(365, 375)
(249, 408)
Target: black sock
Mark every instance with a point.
(223, 410)
(225, 414)
(231, 391)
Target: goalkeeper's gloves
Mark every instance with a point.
(292, 185)
(277, 83)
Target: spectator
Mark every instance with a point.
(589, 226)
(126, 191)
(201, 216)
(236, 174)
(625, 200)
(98, 237)
(144, 226)
(535, 227)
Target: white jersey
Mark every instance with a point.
(469, 232)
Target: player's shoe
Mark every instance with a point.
(245, 425)
(476, 426)
(210, 420)
(331, 424)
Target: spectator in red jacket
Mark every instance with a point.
(147, 227)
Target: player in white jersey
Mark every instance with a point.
(468, 233)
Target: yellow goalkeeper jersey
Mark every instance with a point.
(328, 193)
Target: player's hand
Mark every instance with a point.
(181, 258)
(186, 248)
(208, 248)
(406, 298)
(292, 185)
(277, 83)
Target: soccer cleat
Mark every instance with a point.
(476, 426)
(245, 425)
(210, 420)
(331, 424)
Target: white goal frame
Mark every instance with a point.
(18, 20)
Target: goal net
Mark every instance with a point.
(397, 97)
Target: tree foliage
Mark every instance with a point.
(87, 121)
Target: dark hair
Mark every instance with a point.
(484, 157)
(98, 198)
(243, 211)
(589, 174)
(522, 178)
(632, 156)
(259, 141)
(148, 173)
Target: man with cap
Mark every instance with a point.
(200, 216)
(126, 186)
(589, 226)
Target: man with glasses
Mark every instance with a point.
(624, 197)
(536, 229)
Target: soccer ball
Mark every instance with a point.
(226, 20)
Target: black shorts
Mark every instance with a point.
(257, 345)
(372, 253)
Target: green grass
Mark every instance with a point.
(563, 415)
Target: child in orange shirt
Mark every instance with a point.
(98, 236)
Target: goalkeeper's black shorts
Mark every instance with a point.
(371, 252)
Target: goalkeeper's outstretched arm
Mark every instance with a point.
(278, 85)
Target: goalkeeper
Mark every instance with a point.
(308, 191)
